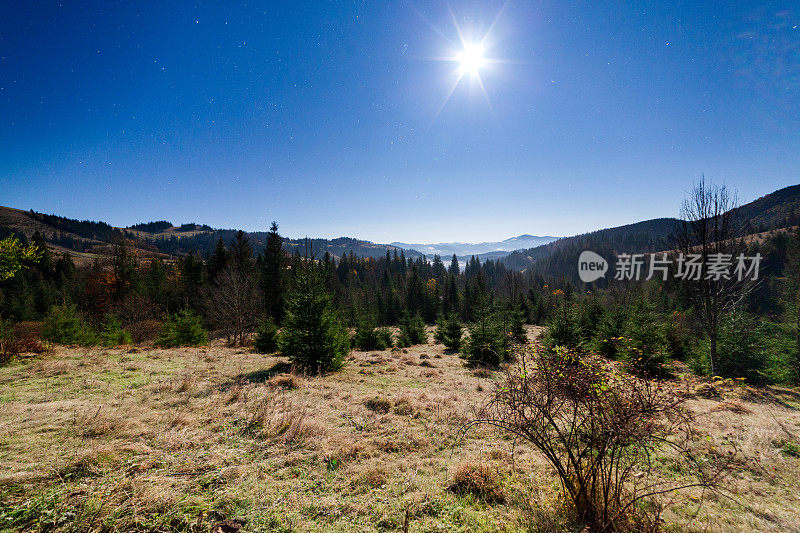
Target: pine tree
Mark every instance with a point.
(272, 275)
(412, 330)
(450, 301)
(487, 344)
(454, 269)
(437, 268)
(218, 260)
(414, 291)
(313, 336)
(449, 331)
(241, 252)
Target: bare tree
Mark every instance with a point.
(232, 303)
(710, 230)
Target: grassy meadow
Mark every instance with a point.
(138, 439)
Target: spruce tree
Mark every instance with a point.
(218, 260)
(412, 330)
(313, 336)
(449, 331)
(487, 344)
(241, 252)
(272, 275)
(454, 269)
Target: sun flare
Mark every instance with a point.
(471, 59)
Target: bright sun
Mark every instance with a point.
(471, 59)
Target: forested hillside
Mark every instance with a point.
(780, 209)
(91, 237)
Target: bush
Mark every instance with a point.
(63, 324)
(412, 331)
(266, 338)
(113, 333)
(182, 329)
(8, 342)
(368, 337)
(449, 331)
(601, 431)
(22, 337)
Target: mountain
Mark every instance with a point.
(461, 249)
(780, 209)
(556, 257)
(86, 240)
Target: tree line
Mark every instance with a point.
(717, 328)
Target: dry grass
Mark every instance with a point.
(183, 439)
(480, 480)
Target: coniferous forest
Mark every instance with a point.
(233, 291)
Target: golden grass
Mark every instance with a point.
(111, 439)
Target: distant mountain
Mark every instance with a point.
(461, 249)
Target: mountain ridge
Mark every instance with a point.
(478, 248)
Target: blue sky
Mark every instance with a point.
(333, 118)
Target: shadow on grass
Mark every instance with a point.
(258, 376)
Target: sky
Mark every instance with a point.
(357, 118)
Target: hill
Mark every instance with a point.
(780, 209)
(87, 240)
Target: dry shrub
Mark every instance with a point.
(482, 373)
(29, 337)
(140, 316)
(390, 445)
(51, 367)
(20, 338)
(378, 405)
(479, 480)
(402, 443)
(600, 430)
(285, 382)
